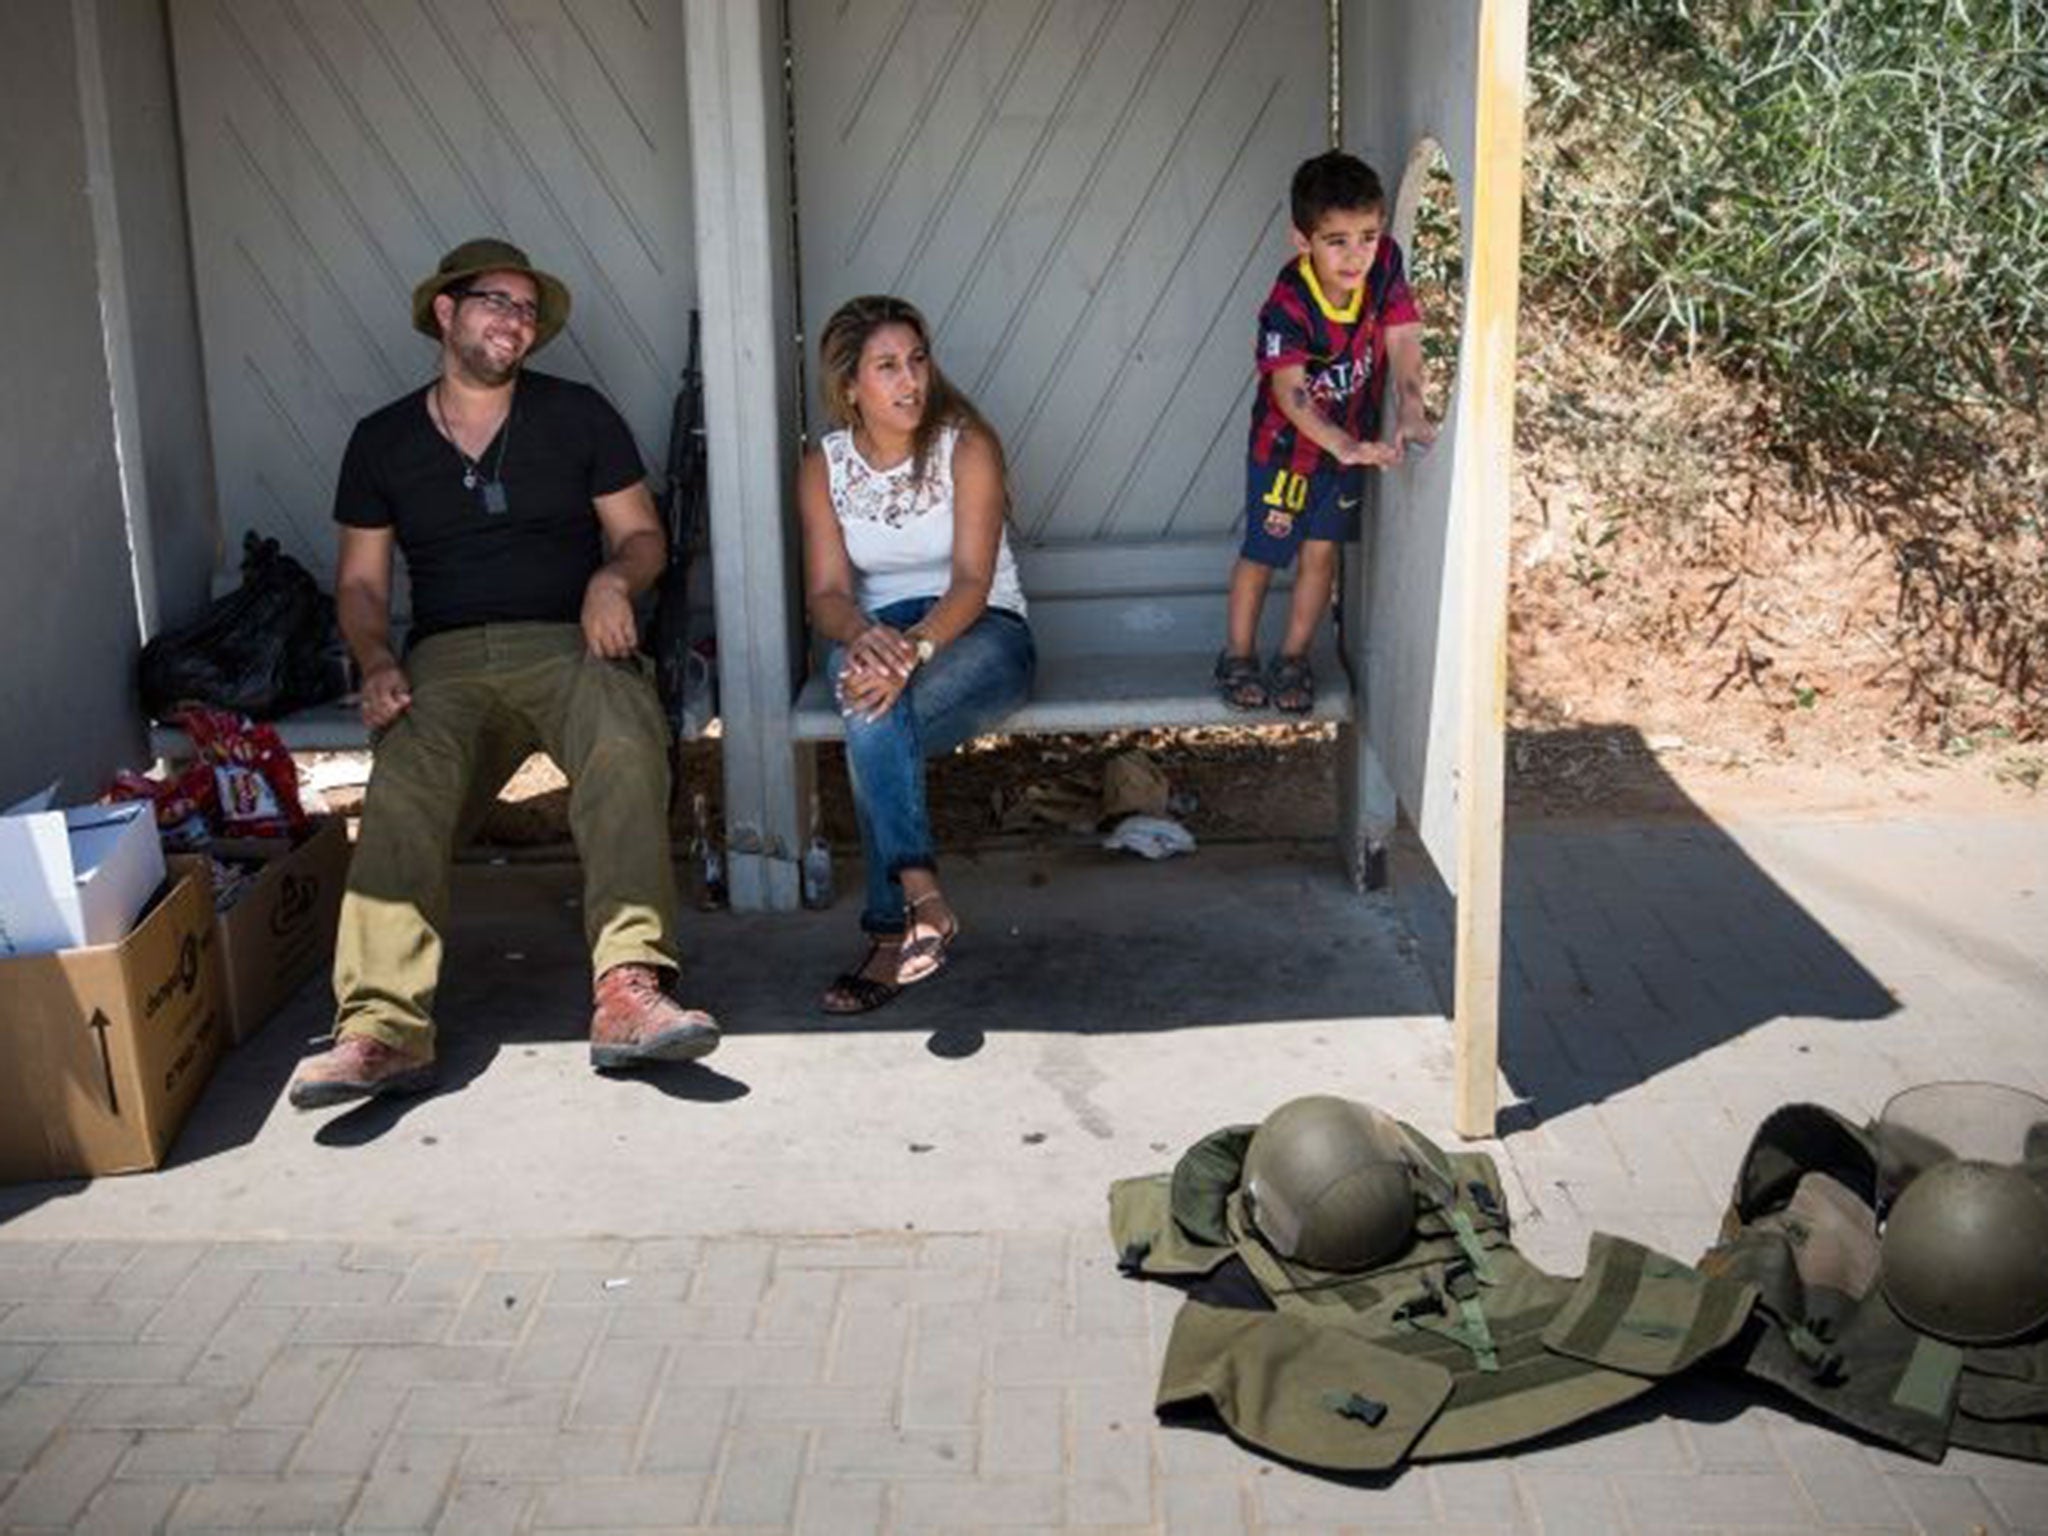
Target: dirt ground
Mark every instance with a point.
(1758, 624)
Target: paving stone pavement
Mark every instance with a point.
(862, 1384)
(1668, 984)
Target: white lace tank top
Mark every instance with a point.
(899, 536)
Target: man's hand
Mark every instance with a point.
(387, 693)
(609, 628)
(1412, 429)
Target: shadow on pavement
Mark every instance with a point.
(1067, 938)
(365, 1122)
(536, 995)
(1633, 946)
(1059, 938)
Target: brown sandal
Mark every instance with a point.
(863, 994)
(924, 958)
(1293, 685)
(1239, 683)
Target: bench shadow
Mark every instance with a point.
(1631, 946)
(1059, 935)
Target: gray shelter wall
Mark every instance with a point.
(152, 319)
(1409, 70)
(334, 152)
(1089, 203)
(67, 597)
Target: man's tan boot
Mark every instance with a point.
(635, 1021)
(358, 1067)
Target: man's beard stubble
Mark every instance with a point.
(476, 361)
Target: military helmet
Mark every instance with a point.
(1329, 1182)
(1965, 1252)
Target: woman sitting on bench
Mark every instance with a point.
(908, 573)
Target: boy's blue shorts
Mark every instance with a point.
(1281, 508)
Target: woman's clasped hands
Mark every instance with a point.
(879, 661)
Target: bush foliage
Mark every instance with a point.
(1846, 199)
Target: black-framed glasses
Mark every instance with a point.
(501, 304)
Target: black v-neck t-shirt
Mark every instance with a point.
(468, 564)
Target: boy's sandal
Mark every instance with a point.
(1239, 682)
(852, 992)
(1293, 684)
(924, 958)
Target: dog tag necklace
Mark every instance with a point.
(495, 500)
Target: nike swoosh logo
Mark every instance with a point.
(1345, 504)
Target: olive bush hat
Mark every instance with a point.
(473, 258)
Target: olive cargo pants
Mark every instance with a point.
(482, 699)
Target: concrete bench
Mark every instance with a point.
(1090, 695)
(324, 728)
(1127, 640)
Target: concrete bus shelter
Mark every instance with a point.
(930, 157)
(221, 206)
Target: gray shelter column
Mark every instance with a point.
(740, 161)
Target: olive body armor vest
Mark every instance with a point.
(1802, 1227)
(1453, 1346)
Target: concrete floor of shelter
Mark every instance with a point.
(866, 1284)
(1098, 1013)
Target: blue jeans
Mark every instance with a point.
(958, 695)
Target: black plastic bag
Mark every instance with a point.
(267, 648)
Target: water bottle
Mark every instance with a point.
(707, 859)
(817, 864)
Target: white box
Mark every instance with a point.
(69, 879)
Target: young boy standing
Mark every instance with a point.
(1338, 320)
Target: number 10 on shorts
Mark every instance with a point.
(1287, 496)
(1289, 492)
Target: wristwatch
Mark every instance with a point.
(927, 648)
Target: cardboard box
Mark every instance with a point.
(104, 1049)
(77, 878)
(281, 928)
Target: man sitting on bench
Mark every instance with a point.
(520, 504)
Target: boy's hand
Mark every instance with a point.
(1413, 429)
(1373, 455)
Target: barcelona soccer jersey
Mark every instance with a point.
(1344, 352)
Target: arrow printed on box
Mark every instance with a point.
(99, 1025)
(295, 901)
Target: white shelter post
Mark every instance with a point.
(1495, 266)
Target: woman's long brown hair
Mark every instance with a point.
(839, 348)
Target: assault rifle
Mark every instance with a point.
(682, 676)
